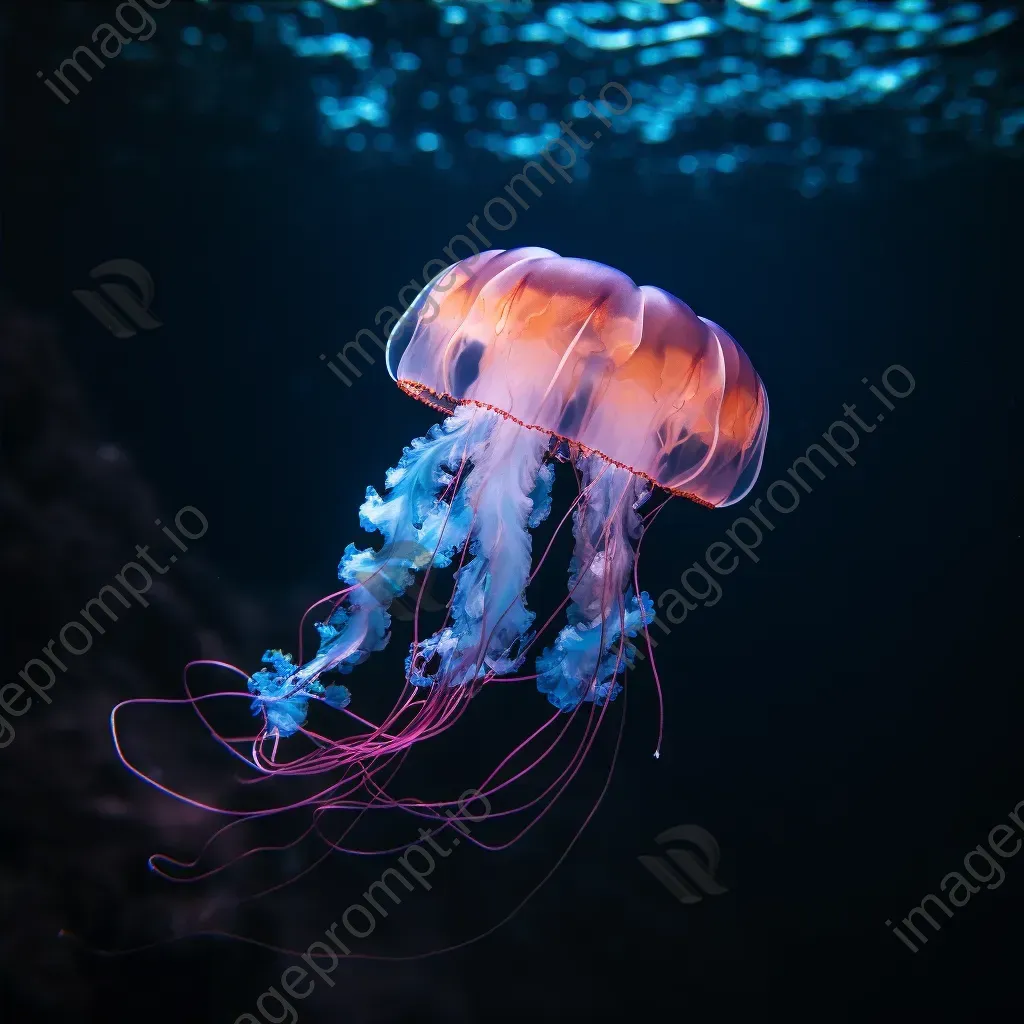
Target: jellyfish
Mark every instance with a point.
(533, 359)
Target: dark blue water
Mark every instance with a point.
(843, 719)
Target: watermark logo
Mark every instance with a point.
(121, 304)
(386, 582)
(693, 874)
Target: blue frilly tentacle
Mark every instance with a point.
(419, 529)
(285, 702)
(583, 664)
(509, 489)
(589, 654)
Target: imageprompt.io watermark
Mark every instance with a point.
(76, 638)
(745, 534)
(109, 40)
(118, 308)
(956, 887)
(686, 877)
(434, 271)
(359, 921)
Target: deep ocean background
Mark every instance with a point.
(846, 721)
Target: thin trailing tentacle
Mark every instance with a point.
(588, 653)
(420, 528)
(509, 489)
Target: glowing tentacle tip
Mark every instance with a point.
(337, 697)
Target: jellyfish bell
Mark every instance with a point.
(533, 358)
(576, 350)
